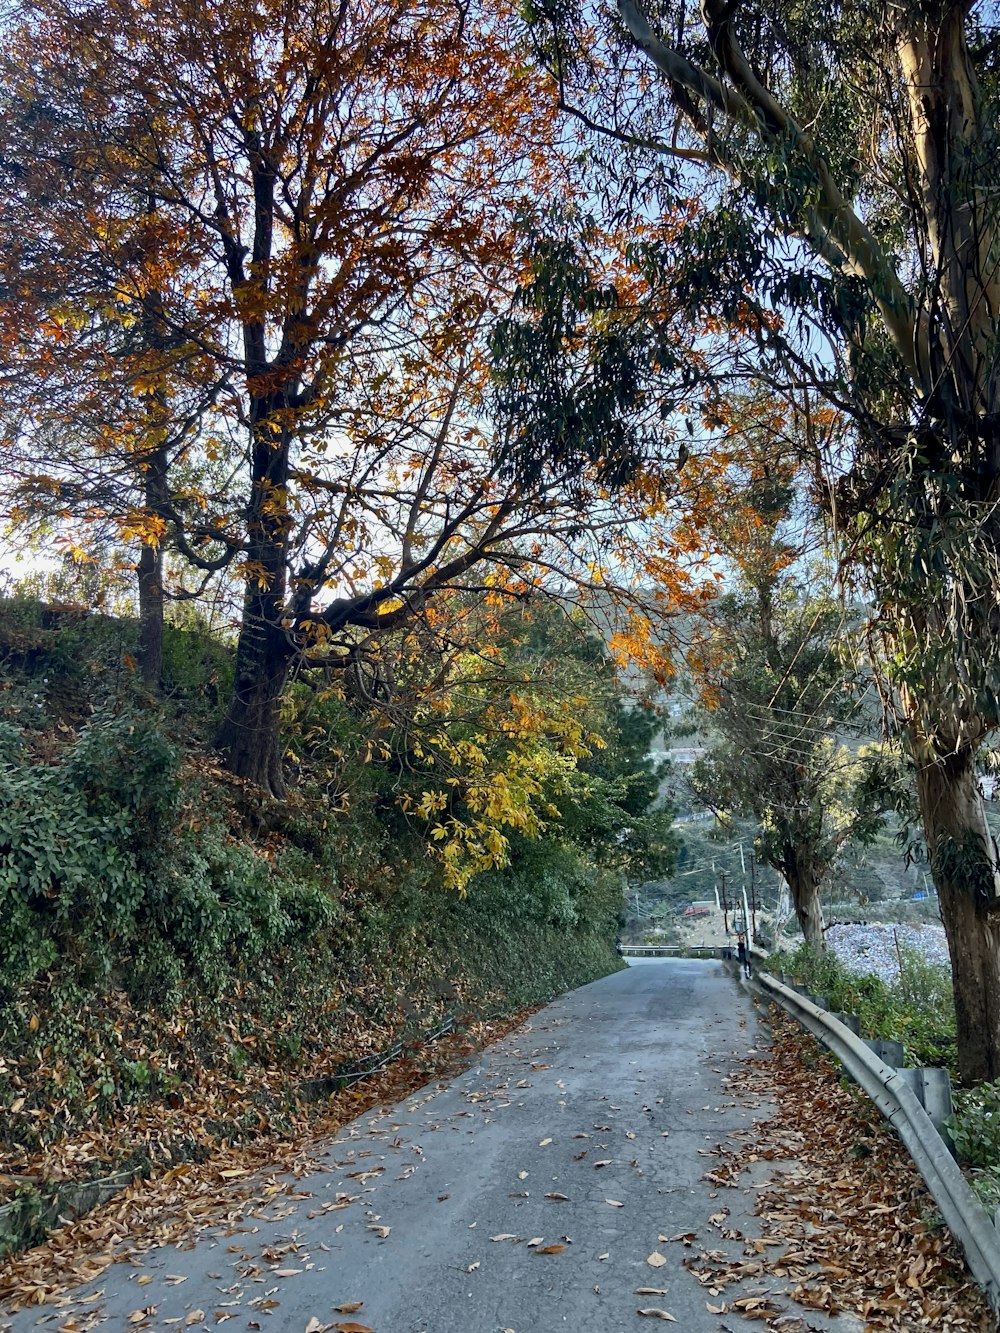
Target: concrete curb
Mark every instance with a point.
(961, 1210)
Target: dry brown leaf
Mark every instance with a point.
(651, 1291)
(348, 1307)
(657, 1314)
(544, 1143)
(551, 1249)
(655, 1260)
(560, 1198)
(615, 1203)
(195, 1317)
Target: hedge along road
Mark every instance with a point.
(538, 1191)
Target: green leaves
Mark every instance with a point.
(574, 371)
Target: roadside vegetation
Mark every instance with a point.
(182, 953)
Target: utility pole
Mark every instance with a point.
(743, 862)
(725, 902)
(753, 890)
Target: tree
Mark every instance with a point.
(849, 155)
(507, 723)
(771, 663)
(332, 294)
(327, 188)
(779, 697)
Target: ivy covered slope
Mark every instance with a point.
(180, 951)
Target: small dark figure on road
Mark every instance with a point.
(743, 953)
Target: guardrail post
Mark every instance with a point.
(889, 1052)
(850, 1021)
(935, 1095)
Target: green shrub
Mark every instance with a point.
(917, 1010)
(975, 1131)
(94, 868)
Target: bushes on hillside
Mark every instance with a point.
(99, 867)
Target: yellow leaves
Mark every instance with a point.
(143, 526)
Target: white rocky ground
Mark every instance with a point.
(873, 947)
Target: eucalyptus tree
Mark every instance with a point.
(840, 162)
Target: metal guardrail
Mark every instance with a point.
(889, 1090)
(669, 950)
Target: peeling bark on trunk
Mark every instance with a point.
(805, 899)
(964, 863)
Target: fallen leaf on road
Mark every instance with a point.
(651, 1291)
(144, 1279)
(605, 1255)
(537, 1240)
(290, 1272)
(551, 1249)
(544, 1143)
(172, 1279)
(715, 1309)
(348, 1307)
(353, 1328)
(657, 1314)
(686, 1236)
(562, 1198)
(472, 1267)
(381, 1232)
(656, 1259)
(137, 1316)
(606, 1162)
(505, 1235)
(615, 1203)
(195, 1317)
(522, 1175)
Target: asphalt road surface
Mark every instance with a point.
(526, 1196)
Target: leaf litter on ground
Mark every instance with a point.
(843, 1231)
(184, 1198)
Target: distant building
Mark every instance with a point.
(685, 755)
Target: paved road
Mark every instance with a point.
(423, 1211)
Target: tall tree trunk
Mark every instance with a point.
(963, 860)
(250, 735)
(150, 567)
(804, 889)
(150, 571)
